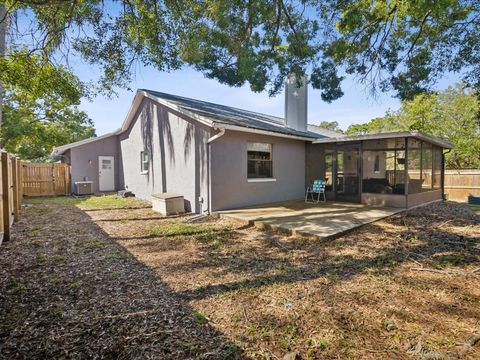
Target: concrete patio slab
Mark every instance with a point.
(322, 220)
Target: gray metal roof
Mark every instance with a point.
(325, 132)
(232, 116)
(387, 135)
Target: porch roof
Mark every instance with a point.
(387, 135)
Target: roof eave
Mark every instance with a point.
(415, 134)
(62, 149)
(262, 132)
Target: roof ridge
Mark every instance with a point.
(279, 120)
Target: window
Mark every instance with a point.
(384, 166)
(106, 164)
(145, 161)
(259, 157)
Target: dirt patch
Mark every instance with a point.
(404, 287)
(370, 294)
(67, 290)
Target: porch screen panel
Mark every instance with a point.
(427, 164)
(329, 170)
(384, 166)
(414, 166)
(437, 168)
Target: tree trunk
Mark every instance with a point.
(3, 45)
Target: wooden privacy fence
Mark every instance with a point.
(46, 179)
(461, 183)
(11, 190)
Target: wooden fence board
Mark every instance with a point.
(459, 184)
(11, 193)
(46, 179)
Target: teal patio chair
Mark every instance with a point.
(317, 188)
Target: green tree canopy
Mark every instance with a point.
(330, 125)
(404, 46)
(451, 114)
(40, 110)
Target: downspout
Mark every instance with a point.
(209, 141)
(217, 135)
(443, 173)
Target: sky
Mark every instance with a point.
(356, 106)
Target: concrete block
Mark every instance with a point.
(168, 203)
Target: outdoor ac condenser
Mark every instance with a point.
(83, 187)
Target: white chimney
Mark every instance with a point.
(296, 103)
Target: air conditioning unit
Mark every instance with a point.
(84, 187)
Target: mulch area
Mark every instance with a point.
(68, 291)
(112, 283)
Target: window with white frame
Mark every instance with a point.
(259, 160)
(145, 161)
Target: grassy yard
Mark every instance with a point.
(108, 276)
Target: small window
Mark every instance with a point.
(145, 161)
(106, 164)
(259, 160)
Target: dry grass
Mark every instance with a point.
(404, 287)
(68, 291)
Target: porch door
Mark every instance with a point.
(347, 174)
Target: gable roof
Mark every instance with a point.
(61, 149)
(210, 114)
(227, 115)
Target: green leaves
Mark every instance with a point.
(399, 46)
(405, 46)
(451, 114)
(40, 106)
(326, 78)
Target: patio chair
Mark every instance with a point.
(317, 188)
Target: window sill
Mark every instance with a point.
(143, 172)
(254, 180)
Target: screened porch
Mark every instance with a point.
(395, 169)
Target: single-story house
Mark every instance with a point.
(219, 157)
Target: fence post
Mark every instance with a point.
(5, 197)
(20, 186)
(15, 188)
(68, 180)
(54, 181)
